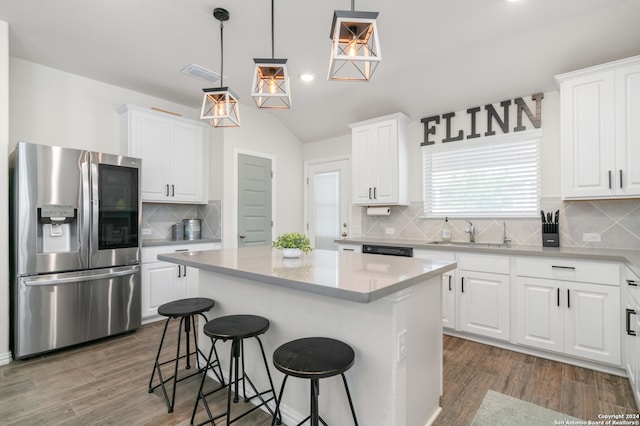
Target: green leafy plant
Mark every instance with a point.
(293, 240)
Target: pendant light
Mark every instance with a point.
(220, 104)
(355, 49)
(270, 87)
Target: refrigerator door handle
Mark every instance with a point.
(75, 277)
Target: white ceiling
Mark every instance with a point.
(437, 56)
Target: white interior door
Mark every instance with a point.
(329, 204)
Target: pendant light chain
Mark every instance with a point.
(273, 55)
(221, 53)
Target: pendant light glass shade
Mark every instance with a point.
(220, 107)
(270, 87)
(220, 104)
(355, 48)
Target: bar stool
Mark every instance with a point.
(235, 328)
(314, 358)
(186, 310)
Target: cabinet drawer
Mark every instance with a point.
(632, 283)
(569, 270)
(484, 263)
(446, 256)
(150, 254)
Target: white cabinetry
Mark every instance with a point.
(356, 248)
(600, 136)
(174, 153)
(632, 332)
(570, 307)
(484, 295)
(449, 293)
(163, 282)
(380, 161)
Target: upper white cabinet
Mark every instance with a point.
(380, 161)
(174, 153)
(600, 136)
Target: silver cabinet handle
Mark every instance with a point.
(167, 189)
(375, 195)
(369, 193)
(609, 179)
(242, 236)
(573, 268)
(173, 190)
(620, 178)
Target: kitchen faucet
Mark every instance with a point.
(505, 240)
(471, 231)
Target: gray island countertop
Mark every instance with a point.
(350, 276)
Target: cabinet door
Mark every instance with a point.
(484, 304)
(448, 300)
(362, 188)
(588, 136)
(384, 162)
(592, 321)
(149, 141)
(627, 80)
(188, 157)
(159, 281)
(539, 314)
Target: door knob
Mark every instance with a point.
(243, 236)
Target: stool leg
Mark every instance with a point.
(187, 330)
(276, 413)
(353, 411)
(155, 365)
(315, 391)
(233, 361)
(200, 394)
(175, 369)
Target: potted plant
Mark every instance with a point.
(292, 244)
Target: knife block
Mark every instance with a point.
(550, 235)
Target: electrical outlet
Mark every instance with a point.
(146, 231)
(389, 231)
(402, 345)
(589, 237)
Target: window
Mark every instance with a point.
(489, 177)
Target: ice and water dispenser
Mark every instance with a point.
(57, 228)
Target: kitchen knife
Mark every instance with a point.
(557, 216)
(542, 216)
(549, 217)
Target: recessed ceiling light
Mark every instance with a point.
(307, 77)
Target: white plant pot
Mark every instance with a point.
(291, 252)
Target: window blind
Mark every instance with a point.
(492, 177)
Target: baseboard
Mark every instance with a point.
(434, 417)
(593, 365)
(5, 358)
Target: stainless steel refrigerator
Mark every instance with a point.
(74, 246)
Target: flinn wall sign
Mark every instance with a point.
(492, 117)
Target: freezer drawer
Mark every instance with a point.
(59, 310)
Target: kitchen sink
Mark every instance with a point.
(468, 244)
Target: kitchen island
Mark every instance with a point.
(387, 308)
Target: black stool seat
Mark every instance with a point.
(314, 358)
(185, 307)
(236, 327)
(186, 310)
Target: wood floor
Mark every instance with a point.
(470, 369)
(105, 383)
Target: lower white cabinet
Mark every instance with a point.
(449, 292)
(356, 248)
(484, 295)
(163, 282)
(565, 315)
(632, 333)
